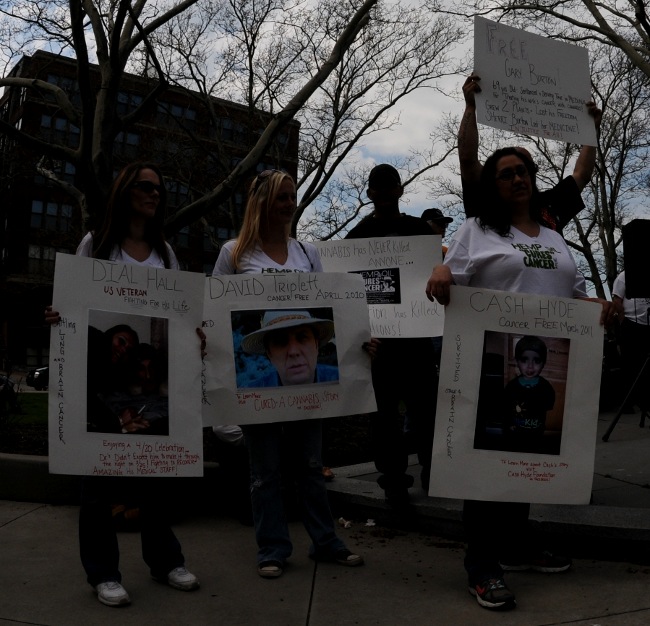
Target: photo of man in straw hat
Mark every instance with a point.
(291, 341)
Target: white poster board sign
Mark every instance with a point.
(531, 84)
(395, 272)
(125, 367)
(507, 433)
(262, 363)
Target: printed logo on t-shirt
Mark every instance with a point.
(537, 255)
(273, 270)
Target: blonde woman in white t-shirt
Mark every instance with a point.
(265, 245)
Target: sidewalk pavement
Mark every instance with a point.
(411, 575)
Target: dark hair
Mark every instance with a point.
(118, 214)
(532, 343)
(491, 212)
(383, 177)
(122, 328)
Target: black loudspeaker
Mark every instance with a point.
(636, 239)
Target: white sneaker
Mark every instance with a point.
(180, 578)
(111, 593)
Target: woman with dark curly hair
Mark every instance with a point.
(507, 247)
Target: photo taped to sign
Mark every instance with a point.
(127, 365)
(283, 347)
(522, 393)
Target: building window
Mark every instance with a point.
(239, 203)
(41, 259)
(182, 237)
(232, 131)
(224, 234)
(127, 102)
(64, 171)
(177, 193)
(173, 115)
(51, 216)
(68, 84)
(127, 144)
(59, 130)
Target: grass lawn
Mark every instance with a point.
(33, 407)
(25, 432)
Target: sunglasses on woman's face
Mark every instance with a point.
(509, 174)
(262, 176)
(147, 186)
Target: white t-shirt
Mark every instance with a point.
(636, 310)
(85, 248)
(303, 257)
(518, 263)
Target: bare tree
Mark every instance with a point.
(622, 25)
(275, 44)
(620, 182)
(115, 29)
(117, 33)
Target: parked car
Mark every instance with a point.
(8, 396)
(38, 378)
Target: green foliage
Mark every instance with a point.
(33, 408)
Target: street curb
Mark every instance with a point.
(586, 531)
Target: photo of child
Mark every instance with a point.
(528, 397)
(522, 393)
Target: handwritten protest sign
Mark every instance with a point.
(518, 398)
(285, 347)
(125, 368)
(531, 84)
(395, 272)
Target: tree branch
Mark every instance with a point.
(193, 211)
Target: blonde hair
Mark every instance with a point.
(261, 195)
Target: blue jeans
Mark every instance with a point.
(302, 441)
(100, 553)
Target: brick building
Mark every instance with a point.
(195, 150)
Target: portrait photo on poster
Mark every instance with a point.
(382, 285)
(282, 347)
(127, 378)
(522, 393)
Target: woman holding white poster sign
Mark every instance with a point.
(503, 248)
(131, 233)
(264, 245)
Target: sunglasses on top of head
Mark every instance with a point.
(262, 176)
